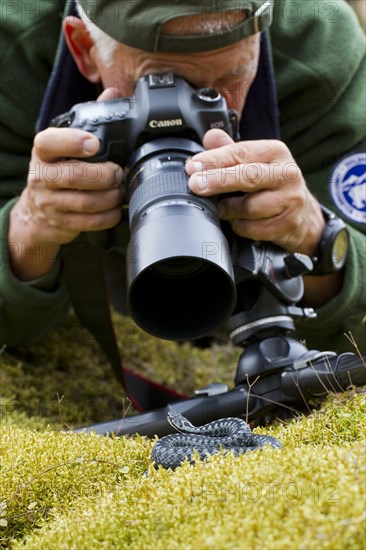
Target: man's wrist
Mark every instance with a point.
(49, 281)
(30, 258)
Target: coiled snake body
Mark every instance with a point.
(228, 434)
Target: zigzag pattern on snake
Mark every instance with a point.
(231, 434)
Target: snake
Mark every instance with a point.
(232, 434)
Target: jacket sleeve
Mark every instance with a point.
(319, 58)
(26, 312)
(29, 35)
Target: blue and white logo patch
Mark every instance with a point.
(348, 187)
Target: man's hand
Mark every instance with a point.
(62, 198)
(276, 204)
(65, 197)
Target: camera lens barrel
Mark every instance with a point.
(170, 183)
(179, 268)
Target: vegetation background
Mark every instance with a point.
(61, 490)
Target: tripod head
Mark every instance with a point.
(270, 284)
(276, 376)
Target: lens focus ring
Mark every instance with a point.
(161, 187)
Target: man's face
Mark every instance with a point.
(230, 70)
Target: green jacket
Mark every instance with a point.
(319, 59)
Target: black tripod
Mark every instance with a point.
(277, 376)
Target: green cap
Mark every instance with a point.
(138, 23)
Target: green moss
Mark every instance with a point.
(62, 491)
(46, 473)
(68, 381)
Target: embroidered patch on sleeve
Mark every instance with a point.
(348, 187)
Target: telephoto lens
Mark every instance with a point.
(179, 268)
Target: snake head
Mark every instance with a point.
(179, 422)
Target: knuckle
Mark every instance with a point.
(40, 202)
(292, 223)
(296, 200)
(41, 140)
(291, 173)
(239, 152)
(301, 199)
(54, 222)
(278, 148)
(84, 202)
(252, 173)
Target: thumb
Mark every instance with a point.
(216, 138)
(108, 94)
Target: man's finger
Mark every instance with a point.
(250, 207)
(243, 152)
(248, 178)
(54, 144)
(78, 222)
(78, 174)
(87, 203)
(108, 94)
(216, 138)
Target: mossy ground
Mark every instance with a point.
(68, 380)
(61, 490)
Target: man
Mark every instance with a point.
(318, 60)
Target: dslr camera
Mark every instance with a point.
(179, 269)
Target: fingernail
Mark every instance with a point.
(198, 166)
(91, 145)
(194, 166)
